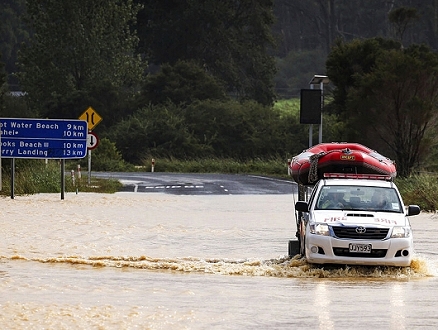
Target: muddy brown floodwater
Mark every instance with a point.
(159, 261)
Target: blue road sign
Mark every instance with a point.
(43, 138)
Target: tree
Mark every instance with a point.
(229, 39)
(296, 69)
(183, 82)
(78, 45)
(347, 62)
(2, 84)
(12, 33)
(401, 18)
(391, 105)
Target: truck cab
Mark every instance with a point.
(355, 219)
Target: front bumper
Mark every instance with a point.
(331, 250)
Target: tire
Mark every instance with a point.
(302, 240)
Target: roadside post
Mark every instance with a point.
(93, 119)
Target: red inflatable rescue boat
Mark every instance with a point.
(339, 157)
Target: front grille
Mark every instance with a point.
(350, 232)
(375, 253)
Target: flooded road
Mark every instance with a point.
(160, 261)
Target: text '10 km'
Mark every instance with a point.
(43, 138)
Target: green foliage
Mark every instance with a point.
(2, 85)
(347, 62)
(181, 83)
(296, 69)
(15, 107)
(386, 97)
(208, 129)
(153, 130)
(238, 130)
(288, 106)
(421, 190)
(231, 39)
(35, 176)
(110, 102)
(32, 176)
(12, 33)
(82, 54)
(77, 45)
(401, 18)
(105, 157)
(97, 185)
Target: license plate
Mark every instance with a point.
(359, 248)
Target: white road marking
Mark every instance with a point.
(174, 187)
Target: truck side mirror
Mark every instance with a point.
(301, 206)
(413, 210)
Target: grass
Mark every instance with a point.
(32, 177)
(97, 185)
(421, 190)
(286, 107)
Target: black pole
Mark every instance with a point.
(12, 178)
(62, 178)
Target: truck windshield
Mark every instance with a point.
(359, 198)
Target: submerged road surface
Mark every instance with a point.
(201, 183)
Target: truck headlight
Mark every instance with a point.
(401, 232)
(320, 229)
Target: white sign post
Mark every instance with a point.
(93, 119)
(92, 143)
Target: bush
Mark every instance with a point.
(34, 176)
(182, 83)
(421, 190)
(105, 157)
(209, 129)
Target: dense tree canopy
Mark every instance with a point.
(181, 83)
(230, 129)
(2, 83)
(13, 32)
(78, 45)
(229, 39)
(211, 71)
(311, 24)
(348, 61)
(387, 98)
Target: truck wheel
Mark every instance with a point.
(303, 247)
(302, 240)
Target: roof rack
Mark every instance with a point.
(358, 176)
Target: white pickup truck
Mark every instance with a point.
(355, 219)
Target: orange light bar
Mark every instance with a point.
(358, 176)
